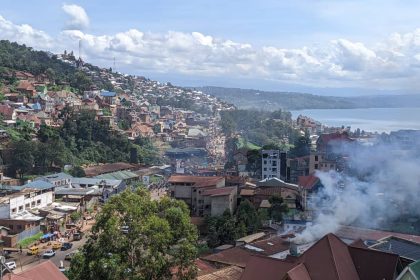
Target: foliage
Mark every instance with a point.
(28, 241)
(80, 140)
(77, 171)
(137, 238)
(225, 229)
(75, 216)
(222, 230)
(19, 57)
(302, 146)
(247, 214)
(23, 159)
(259, 128)
(278, 208)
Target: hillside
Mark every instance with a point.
(267, 100)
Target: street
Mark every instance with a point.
(24, 261)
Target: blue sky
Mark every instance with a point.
(283, 45)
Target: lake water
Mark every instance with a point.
(368, 119)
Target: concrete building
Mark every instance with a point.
(14, 209)
(27, 199)
(204, 194)
(216, 201)
(270, 164)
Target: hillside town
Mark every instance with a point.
(249, 203)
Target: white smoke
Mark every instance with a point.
(381, 184)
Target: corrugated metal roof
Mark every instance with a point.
(118, 175)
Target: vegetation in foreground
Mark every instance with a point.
(137, 238)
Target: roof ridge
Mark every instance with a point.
(329, 236)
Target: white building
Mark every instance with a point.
(14, 205)
(270, 164)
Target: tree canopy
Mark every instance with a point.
(137, 238)
(80, 140)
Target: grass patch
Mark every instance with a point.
(28, 241)
(243, 143)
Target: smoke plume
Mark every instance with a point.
(381, 184)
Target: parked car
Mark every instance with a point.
(11, 265)
(33, 250)
(57, 245)
(48, 254)
(70, 255)
(77, 235)
(66, 246)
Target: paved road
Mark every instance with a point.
(24, 262)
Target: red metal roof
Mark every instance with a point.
(197, 181)
(307, 182)
(43, 271)
(219, 191)
(328, 259)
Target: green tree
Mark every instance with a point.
(22, 159)
(224, 229)
(77, 171)
(247, 214)
(278, 208)
(137, 238)
(302, 146)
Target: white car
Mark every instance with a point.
(11, 265)
(48, 254)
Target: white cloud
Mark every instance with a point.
(24, 34)
(393, 63)
(78, 19)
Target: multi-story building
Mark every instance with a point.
(204, 194)
(270, 164)
(14, 208)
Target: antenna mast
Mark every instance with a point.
(80, 49)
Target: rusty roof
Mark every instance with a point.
(107, 168)
(307, 182)
(43, 271)
(328, 259)
(227, 273)
(261, 267)
(219, 191)
(237, 256)
(196, 181)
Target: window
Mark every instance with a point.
(11, 227)
(316, 158)
(14, 210)
(274, 169)
(33, 203)
(27, 205)
(265, 168)
(316, 166)
(274, 163)
(38, 202)
(265, 162)
(20, 208)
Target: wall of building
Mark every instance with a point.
(270, 164)
(30, 200)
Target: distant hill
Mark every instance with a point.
(268, 100)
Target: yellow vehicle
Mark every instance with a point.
(33, 250)
(56, 245)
